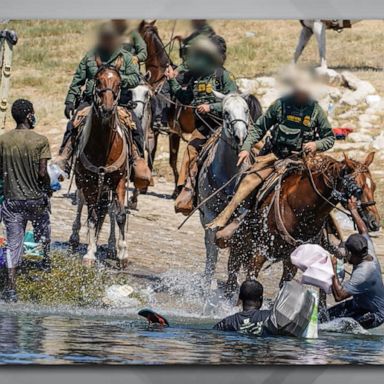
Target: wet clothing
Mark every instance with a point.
(367, 288)
(249, 322)
(88, 68)
(136, 46)
(20, 153)
(292, 125)
(16, 214)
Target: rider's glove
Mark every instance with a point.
(69, 109)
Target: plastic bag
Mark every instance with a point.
(312, 330)
(55, 173)
(292, 311)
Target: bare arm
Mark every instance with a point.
(352, 206)
(43, 175)
(339, 294)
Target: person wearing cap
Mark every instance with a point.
(108, 50)
(296, 123)
(251, 319)
(362, 296)
(204, 76)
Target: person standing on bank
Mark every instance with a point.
(23, 166)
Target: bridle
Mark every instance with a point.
(98, 91)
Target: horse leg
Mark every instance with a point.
(305, 35)
(289, 271)
(212, 252)
(320, 34)
(255, 263)
(90, 257)
(132, 204)
(233, 269)
(112, 233)
(174, 144)
(74, 240)
(121, 218)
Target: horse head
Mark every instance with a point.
(140, 98)
(158, 58)
(107, 88)
(361, 174)
(239, 111)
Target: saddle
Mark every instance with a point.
(283, 168)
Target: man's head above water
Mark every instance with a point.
(251, 294)
(356, 248)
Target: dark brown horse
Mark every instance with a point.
(297, 212)
(181, 120)
(101, 166)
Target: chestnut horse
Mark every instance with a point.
(101, 167)
(180, 120)
(297, 212)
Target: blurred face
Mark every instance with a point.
(197, 24)
(108, 43)
(300, 96)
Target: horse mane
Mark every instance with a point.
(254, 106)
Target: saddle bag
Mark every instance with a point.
(292, 311)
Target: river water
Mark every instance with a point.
(30, 335)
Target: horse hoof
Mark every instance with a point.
(111, 254)
(123, 264)
(88, 262)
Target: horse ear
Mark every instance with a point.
(147, 76)
(348, 162)
(153, 22)
(369, 159)
(219, 95)
(119, 63)
(98, 61)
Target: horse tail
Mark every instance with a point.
(254, 106)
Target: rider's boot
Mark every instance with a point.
(187, 176)
(141, 173)
(246, 187)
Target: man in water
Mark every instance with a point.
(23, 167)
(365, 289)
(250, 320)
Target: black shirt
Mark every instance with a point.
(249, 321)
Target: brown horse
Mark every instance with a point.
(101, 166)
(181, 120)
(297, 212)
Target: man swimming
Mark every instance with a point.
(251, 319)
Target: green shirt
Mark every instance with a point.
(310, 119)
(20, 153)
(88, 68)
(199, 90)
(136, 46)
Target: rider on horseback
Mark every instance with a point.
(296, 123)
(204, 76)
(135, 44)
(108, 51)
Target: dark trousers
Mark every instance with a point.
(16, 214)
(348, 309)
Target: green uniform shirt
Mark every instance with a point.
(199, 90)
(20, 153)
(88, 68)
(136, 46)
(292, 126)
